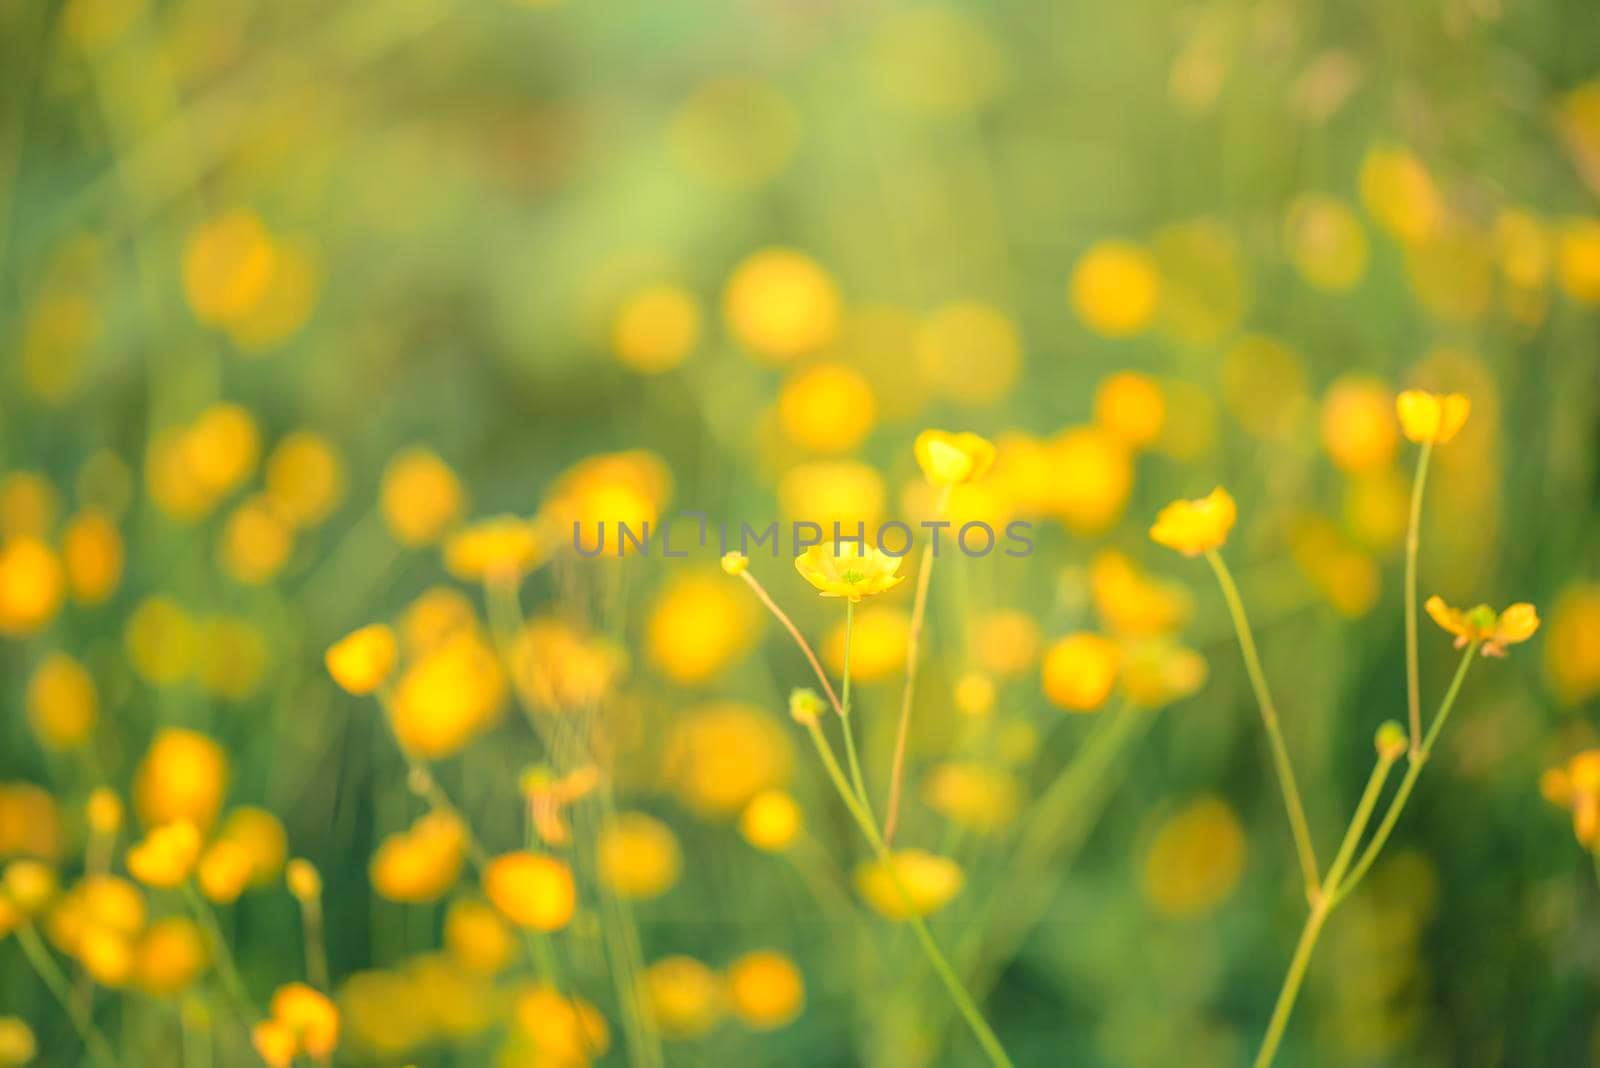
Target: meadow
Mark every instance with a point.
(550, 533)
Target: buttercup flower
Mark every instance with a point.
(1194, 527)
(948, 459)
(1482, 624)
(929, 881)
(1435, 417)
(167, 855)
(855, 572)
(362, 660)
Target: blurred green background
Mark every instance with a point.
(1147, 247)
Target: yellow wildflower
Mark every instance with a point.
(949, 459)
(167, 855)
(63, 705)
(765, 990)
(929, 881)
(183, 777)
(531, 890)
(361, 661)
(420, 496)
(1482, 624)
(1194, 527)
(685, 997)
(854, 572)
(771, 821)
(502, 549)
(1079, 671)
(1431, 417)
(637, 856)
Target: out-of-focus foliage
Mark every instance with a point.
(322, 317)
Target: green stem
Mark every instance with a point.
(1269, 717)
(1320, 910)
(1396, 806)
(52, 976)
(919, 611)
(1413, 540)
(980, 1027)
(221, 956)
(844, 721)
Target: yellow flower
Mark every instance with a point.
(305, 479)
(685, 997)
(502, 549)
(771, 821)
(182, 777)
(975, 796)
(309, 1016)
(167, 855)
(1572, 648)
(929, 882)
(765, 990)
(420, 864)
(827, 408)
(1431, 417)
(104, 811)
(562, 1032)
(29, 885)
(1115, 289)
(420, 497)
(531, 890)
(656, 329)
(303, 880)
(735, 563)
(62, 703)
(698, 625)
(361, 661)
(477, 938)
(92, 550)
(17, 1045)
(223, 871)
(719, 756)
(1358, 428)
(31, 585)
(1194, 527)
(1079, 671)
(780, 303)
(170, 956)
(949, 459)
(1132, 407)
(855, 571)
(1195, 859)
(877, 644)
(446, 697)
(638, 856)
(1482, 624)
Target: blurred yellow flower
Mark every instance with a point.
(1006, 642)
(1435, 417)
(1399, 193)
(17, 1044)
(262, 838)
(29, 821)
(31, 585)
(1091, 478)
(1325, 242)
(477, 938)
(384, 1013)
(91, 549)
(825, 492)
(826, 408)
(611, 489)
(561, 668)
(223, 871)
(1345, 575)
(531, 890)
(362, 661)
(771, 821)
(1572, 644)
(1115, 288)
(63, 705)
(447, 696)
(780, 304)
(1197, 526)
(227, 266)
(1194, 860)
(303, 880)
(1079, 671)
(231, 657)
(1158, 671)
(735, 564)
(221, 448)
(422, 863)
(973, 795)
(929, 881)
(563, 1032)
(698, 625)
(1132, 407)
(309, 1018)
(1358, 424)
(167, 854)
(160, 638)
(637, 856)
(183, 776)
(304, 479)
(685, 998)
(765, 990)
(970, 353)
(878, 644)
(948, 459)
(256, 542)
(1482, 624)
(104, 811)
(656, 329)
(1130, 602)
(29, 505)
(286, 304)
(500, 549)
(849, 569)
(420, 496)
(29, 884)
(1578, 259)
(719, 756)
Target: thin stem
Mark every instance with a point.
(941, 966)
(919, 608)
(1396, 806)
(1291, 983)
(856, 777)
(316, 948)
(1413, 540)
(52, 976)
(221, 956)
(1320, 909)
(1269, 717)
(799, 639)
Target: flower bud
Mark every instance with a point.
(735, 563)
(1391, 741)
(805, 705)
